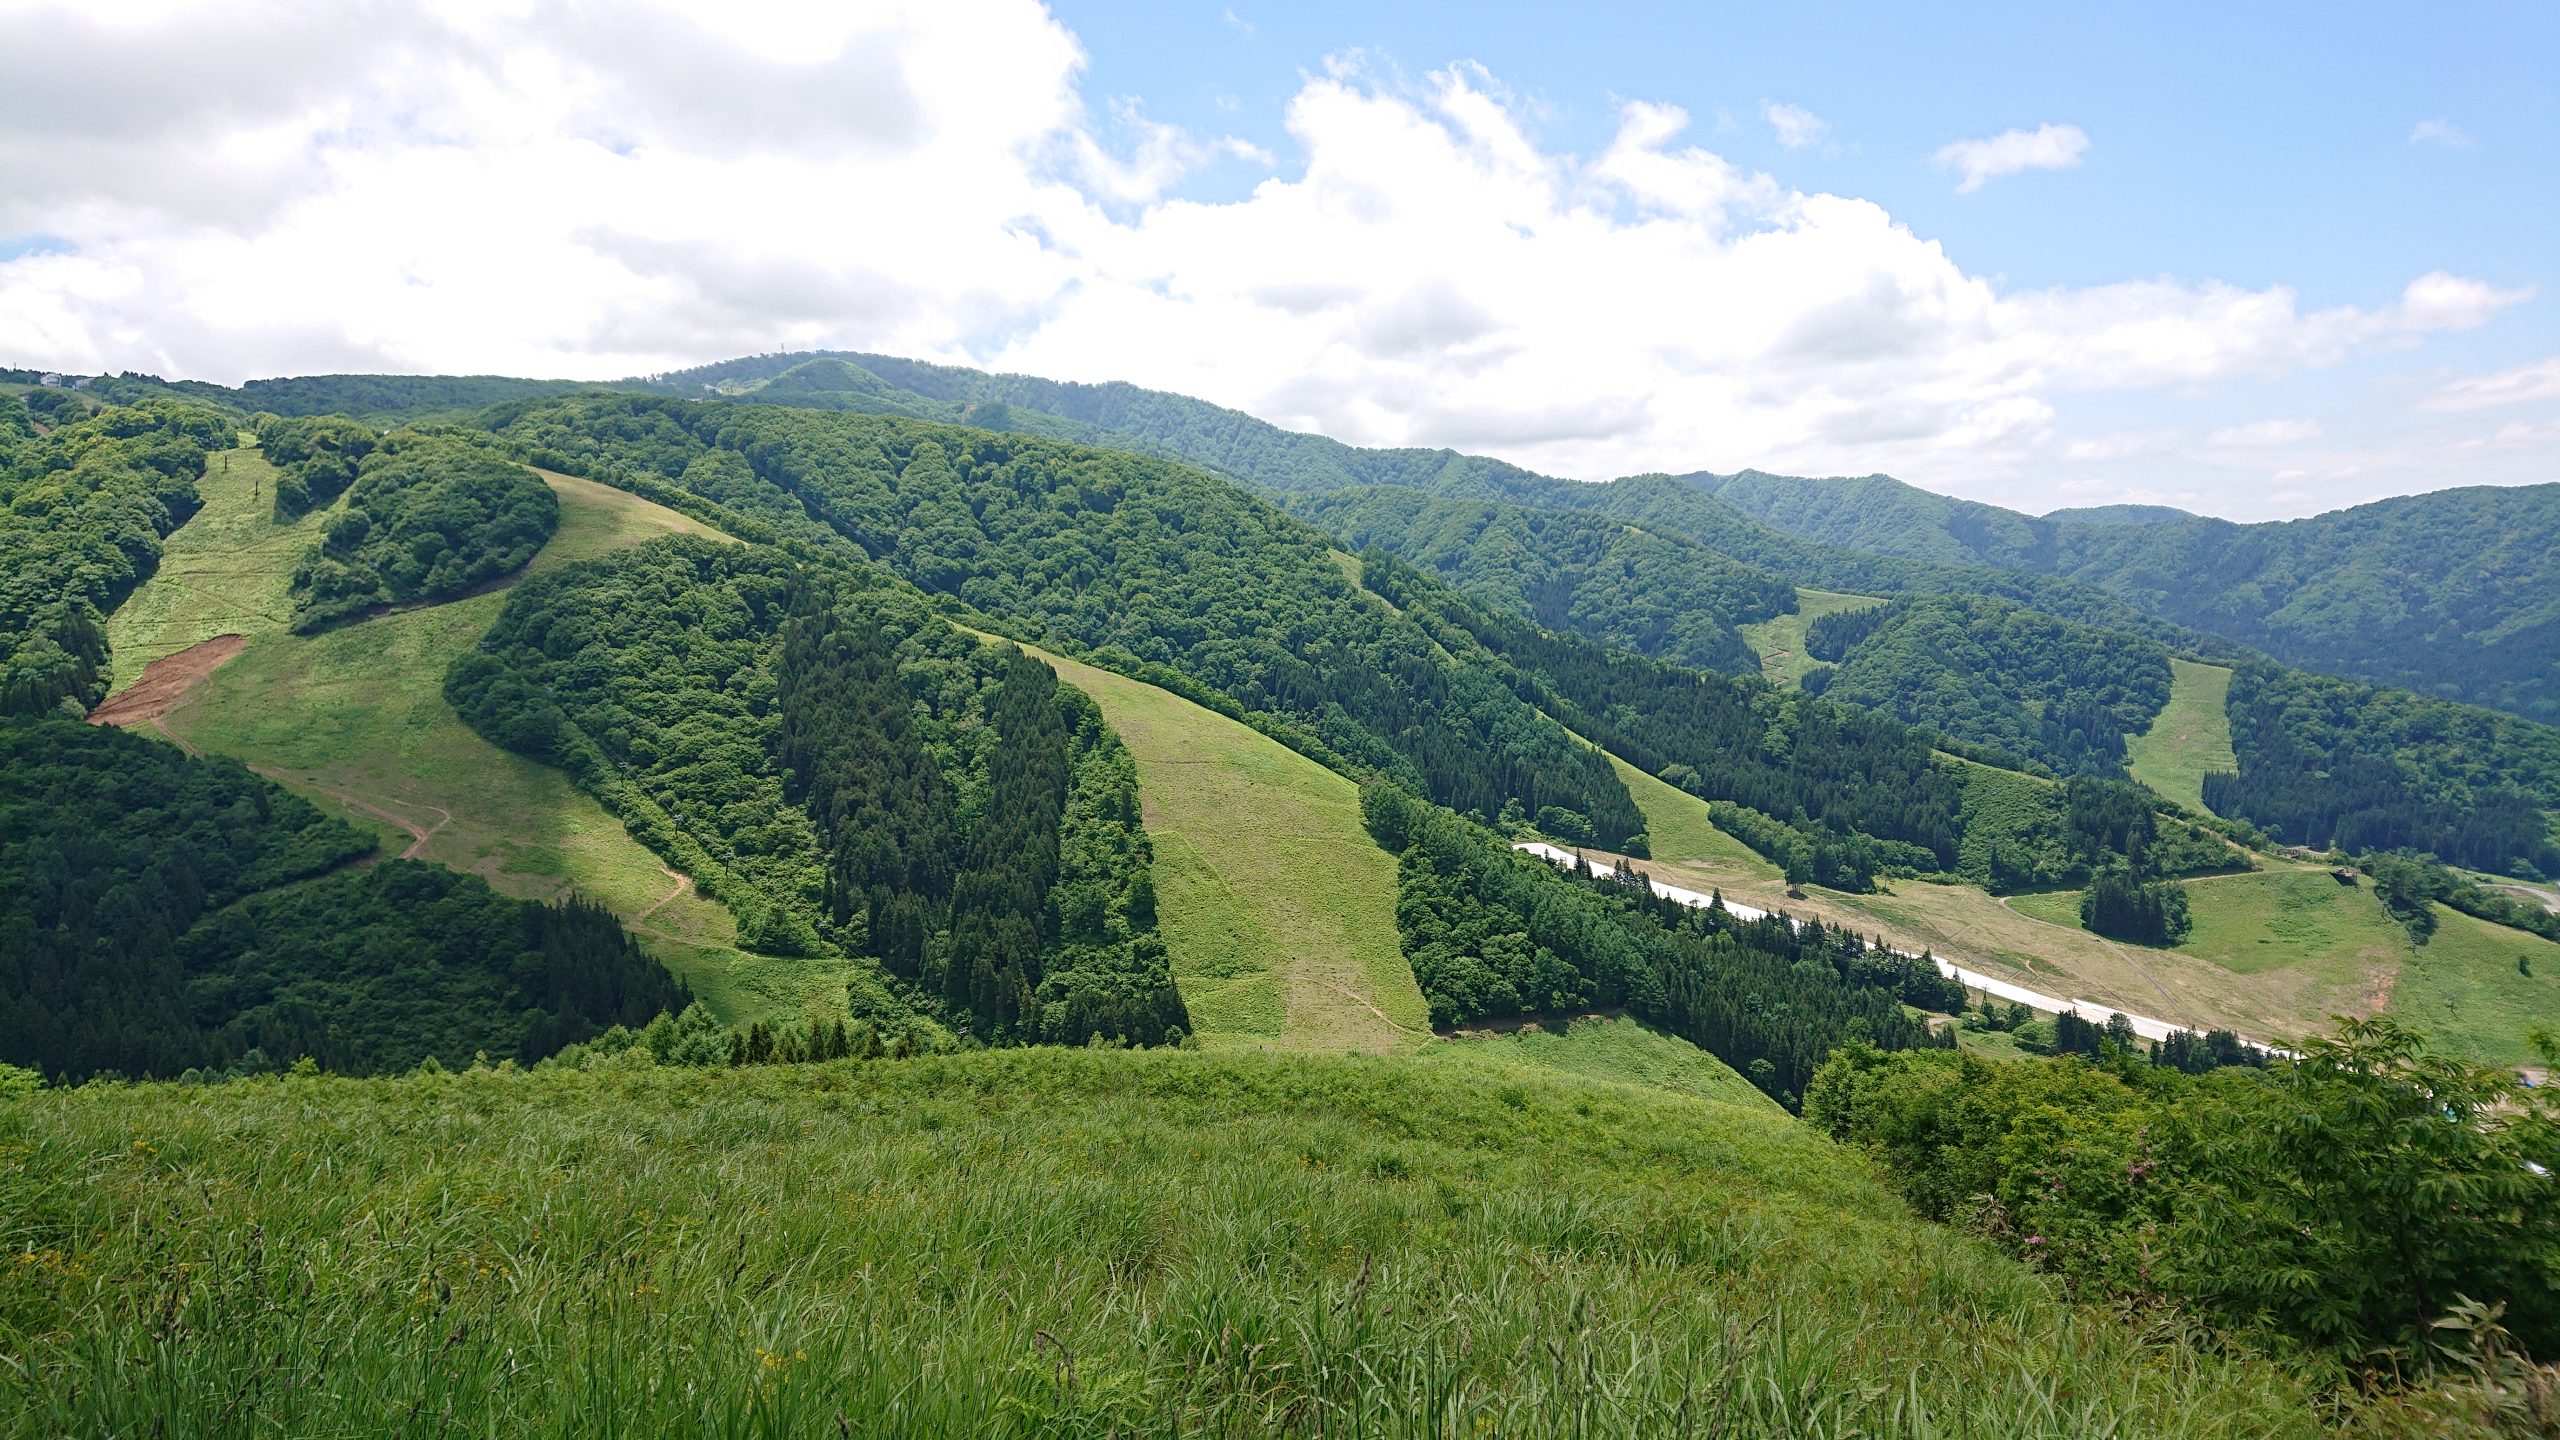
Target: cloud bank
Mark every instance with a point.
(531, 187)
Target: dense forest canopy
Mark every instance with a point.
(850, 773)
(2330, 762)
(161, 913)
(1619, 584)
(83, 510)
(1493, 933)
(1117, 553)
(2017, 684)
(2454, 593)
(429, 517)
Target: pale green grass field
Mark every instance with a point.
(1027, 1242)
(355, 718)
(1786, 632)
(1595, 1047)
(1677, 829)
(1277, 907)
(227, 571)
(2337, 952)
(2463, 987)
(2190, 737)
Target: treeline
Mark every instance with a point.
(161, 913)
(1039, 922)
(1621, 585)
(2411, 885)
(2032, 688)
(1114, 552)
(850, 774)
(2024, 833)
(429, 517)
(2369, 1204)
(2330, 763)
(83, 511)
(1491, 932)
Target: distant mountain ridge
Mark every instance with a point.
(2453, 594)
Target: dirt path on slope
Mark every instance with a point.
(683, 883)
(165, 683)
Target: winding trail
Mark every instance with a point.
(418, 834)
(2143, 1025)
(683, 883)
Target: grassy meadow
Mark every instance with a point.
(1023, 1242)
(2465, 988)
(2190, 737)
(1597, 1047)
(1785, 633)
(227, 571)
(2307, 947)
(2275, 952)
(1276, 906)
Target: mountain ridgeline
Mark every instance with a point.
(2454, 594)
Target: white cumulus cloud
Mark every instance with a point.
(289, 186)
(2047, 147)
(1796, 126)
(2264, 433)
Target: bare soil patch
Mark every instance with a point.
(166, 681)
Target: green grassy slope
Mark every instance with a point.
(1625, 1050)
(2464, 988)
(356, 718)
(2190, 737)
(2314, 948)
(1014, 1242)
(1277, 907)
(1779, 640)
(227, 571)
(1677, 828)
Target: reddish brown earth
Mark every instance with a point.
(165, 682)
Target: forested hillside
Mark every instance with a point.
(2454, 593)
(847, 772)
(2331, 762)
(83, 510)
(1616, 583)
(428, 518)
(2006, 680)
(1125, 556)
(1492, 933)
(1834, 793)
(160, 913)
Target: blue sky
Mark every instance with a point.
(2252, 260)
(2259, 144)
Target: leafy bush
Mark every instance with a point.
(2343, 1202)
(316, 459)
